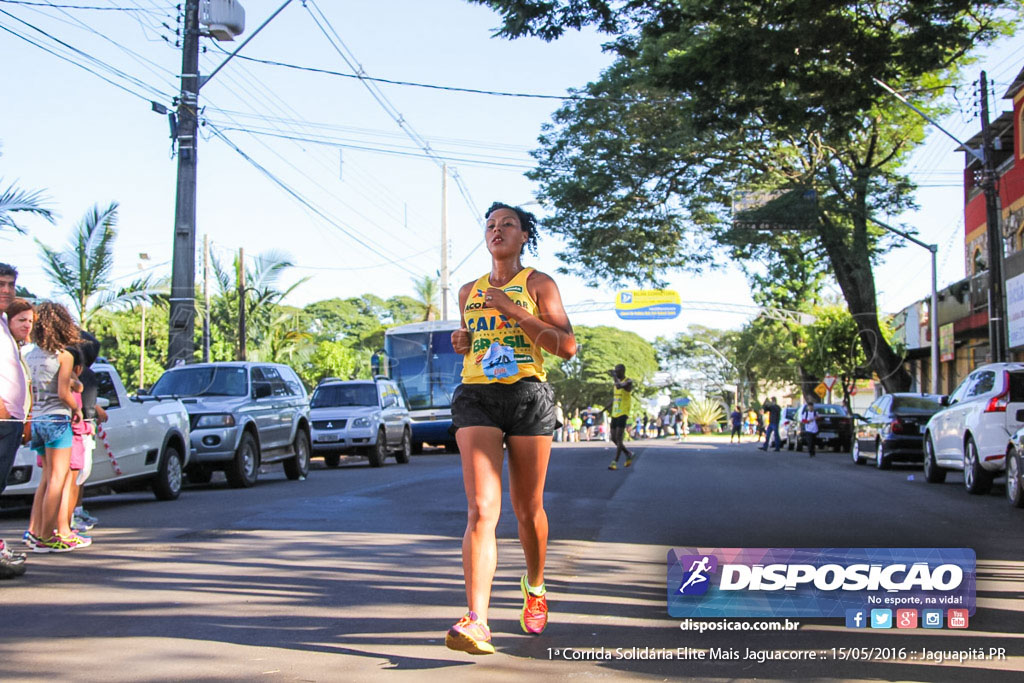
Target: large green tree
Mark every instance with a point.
(707, 100)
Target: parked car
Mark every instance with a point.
(787, 417)
(146, 444)
(973, 432)
(891, 429)
(835, 428)
(243, 414)
(368, 417)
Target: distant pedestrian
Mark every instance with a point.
(774, 414)
(759, 423)
(622, 402)
(736, 418)
(809, 426)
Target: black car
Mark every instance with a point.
(891, 429)
(835, 428)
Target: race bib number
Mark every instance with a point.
(499, 362)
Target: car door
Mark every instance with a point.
(261, 407)
(944, 431)
(1015, 400)
(119, 452)
(386, 400)
(284, 405)
(867, 431)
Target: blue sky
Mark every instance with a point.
(85, 141)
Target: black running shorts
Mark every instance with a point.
(524, 408)
(619, 422)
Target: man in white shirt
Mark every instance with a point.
(12, 409)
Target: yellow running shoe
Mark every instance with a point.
(613, 466)
(471, 635)
(534, 617)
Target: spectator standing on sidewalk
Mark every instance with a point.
(774, 413)
(13, 401)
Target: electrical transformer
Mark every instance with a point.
(225, 19)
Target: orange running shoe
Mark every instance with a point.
(534, 617)
(471, 635)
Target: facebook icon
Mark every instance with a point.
(856, 618)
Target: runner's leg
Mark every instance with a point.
(528, 468)
(482, 453)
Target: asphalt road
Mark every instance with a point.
(355, 574)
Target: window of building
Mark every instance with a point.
(978, 262)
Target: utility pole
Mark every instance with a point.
(996, 284)
(241, 303)
(206, 298)
(181, 344)
(444, 241)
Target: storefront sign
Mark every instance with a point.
(1015, 310)
(946, 349)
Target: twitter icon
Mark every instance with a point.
(881, 618)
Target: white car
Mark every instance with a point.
(146, 444)
(973, 432)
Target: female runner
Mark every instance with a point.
(508, 316)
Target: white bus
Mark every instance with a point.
(421, 360)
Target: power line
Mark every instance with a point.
(88, 7)
(302, 200)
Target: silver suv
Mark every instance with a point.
(242, 415)
(363, 416)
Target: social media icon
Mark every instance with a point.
(881, 618)
(906, 618)
(957, 618)
(856, 618)
(931, 618)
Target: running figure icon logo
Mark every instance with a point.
(695, 580)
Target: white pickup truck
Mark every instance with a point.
(146, 444)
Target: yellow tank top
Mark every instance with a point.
(621, 402)
(489, 327)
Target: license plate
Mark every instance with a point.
(827, 435)
(327, 438)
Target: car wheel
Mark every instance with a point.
(332, 459)
(198, 474)
(405, 449)
(882, 461)
(977, 480)
(378, 451)
(244, 468)
(1014, 479)
(167, 485)
(855, 453)
(297, 467)
(933, 474)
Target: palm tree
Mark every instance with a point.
(426, 290)
(82, 271)
(13, 200)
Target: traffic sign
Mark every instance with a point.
(821, 390)
(829, 382)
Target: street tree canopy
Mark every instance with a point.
(710, 100)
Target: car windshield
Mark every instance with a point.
(202, 381)
(915, 405)
(790, 413)
(334, 395)
(830, 410)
